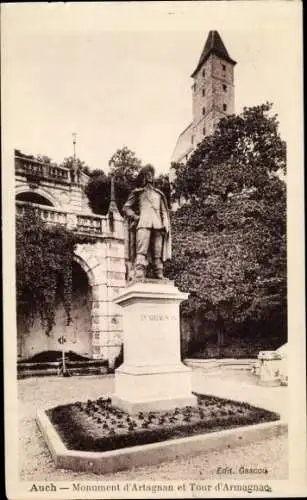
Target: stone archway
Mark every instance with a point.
(85, 266)
(32, 197)
(25, 191)
(83, 256)
(79, 333)
(104, 264)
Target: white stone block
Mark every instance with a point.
(115, 278)
(110, 353)
(114, 291)
(100, 292)
(99, 308)
(283, 351)
(115, 248)
(100, 276)
(269, 368)
(116, 264)
(99, 249)
(107, 323)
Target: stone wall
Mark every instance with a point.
(105, 265)
(70, 197)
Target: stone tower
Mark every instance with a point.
(212, 95)
(213, 87)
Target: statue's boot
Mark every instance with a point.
(139, 273)
(140, 266)
(158, 268)
(159, 275)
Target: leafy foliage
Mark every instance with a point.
(242, 152)
(75, 163)
(124, 168)
(98, 191)
(162, 182)
(229, 238)
(125, 165)
(44, 257)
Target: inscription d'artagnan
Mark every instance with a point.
(157, 317)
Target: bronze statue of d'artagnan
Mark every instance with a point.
(149, 226)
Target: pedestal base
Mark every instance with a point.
(145, 388)
(134, 407)
(152, 376)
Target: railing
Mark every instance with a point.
(83, 223)
(47, 214)
(39, 170)
(89, 223)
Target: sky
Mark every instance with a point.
(119, 73)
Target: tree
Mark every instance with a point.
(73, 163)
(124, 165)
(242, 152)
(162, 182)
(124, 168)
(178, 186)
(98, 192)
(44, 159)
(76, 167)
(229, 240)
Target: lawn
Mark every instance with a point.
(99, 426)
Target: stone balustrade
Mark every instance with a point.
(97, 225)
(48, 214)
(39, 170)
(91, 224)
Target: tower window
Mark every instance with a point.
(203, 92)
(194, 87)
(225, 107)
(192, 139)
(204, 111)
(224, 67)
(204, 131)
(224, 87)
(203, 72)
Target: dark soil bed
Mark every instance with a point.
(98, 426)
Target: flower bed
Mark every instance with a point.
(99, 426)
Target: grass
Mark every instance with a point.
(99, 426)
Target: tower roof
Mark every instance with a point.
(214, 45)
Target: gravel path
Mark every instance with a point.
(35, 462)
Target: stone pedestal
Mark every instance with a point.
(283, 352)
(152, 376)
(269, 368)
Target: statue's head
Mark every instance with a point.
(146, 175)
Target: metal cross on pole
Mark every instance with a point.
(74, 135)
